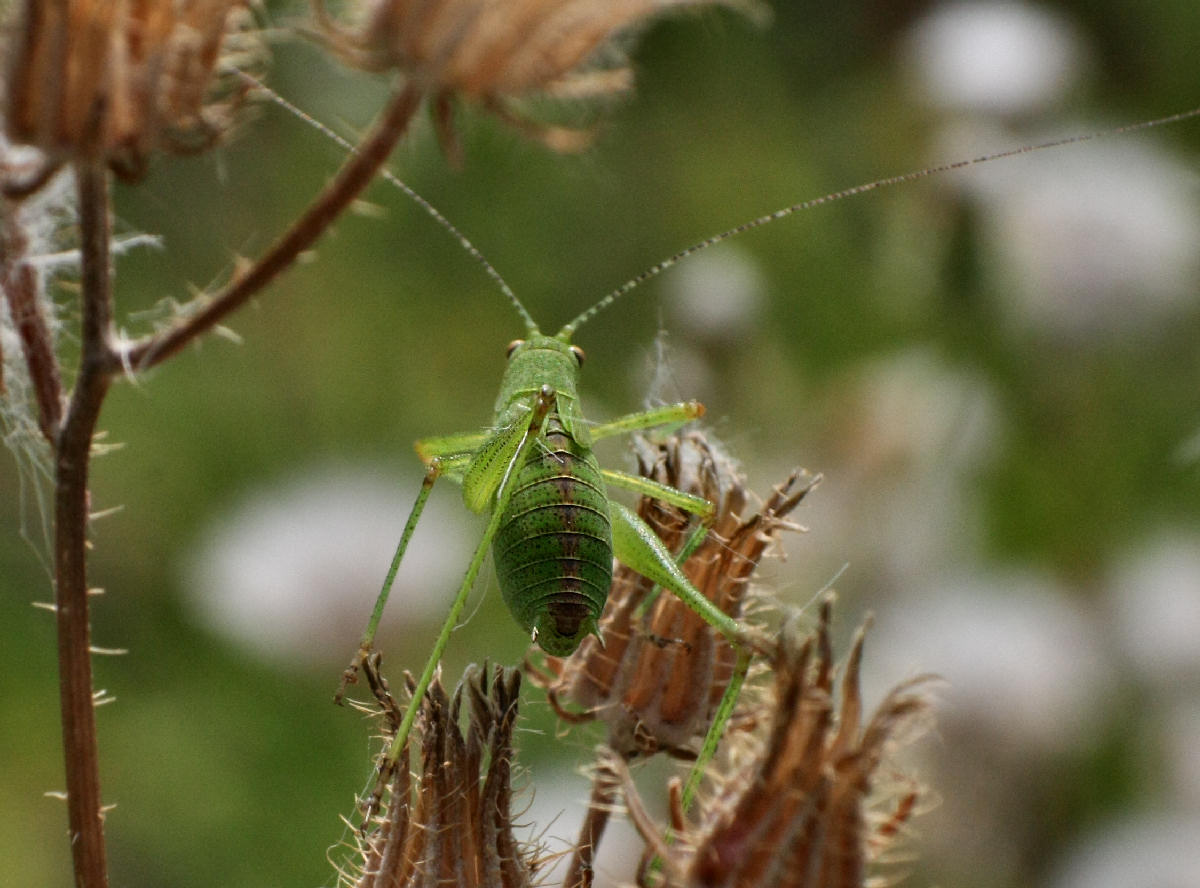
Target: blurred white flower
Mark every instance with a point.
(912, 410)
(716, 296)
(1027, 681)
(1093, 242)
(1154, 595)
(913, 434)
(291, 573)
(1180, 743)
(995, 58)
(1098, 241)
(1153, 851)
(1023, 663)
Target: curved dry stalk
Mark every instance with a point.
(354, 176)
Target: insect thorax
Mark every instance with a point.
(535, 362)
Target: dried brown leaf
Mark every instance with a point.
(112, 81)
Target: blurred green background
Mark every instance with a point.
(856, 337)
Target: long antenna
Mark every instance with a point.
(659, 267)
(473, 251)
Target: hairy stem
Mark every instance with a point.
(353, 177)
(80, 746)
(71, 434)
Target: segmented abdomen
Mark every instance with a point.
(553, 549)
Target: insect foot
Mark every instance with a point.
(799, 808)
(662, 680)
(451, 822)
(350, 673)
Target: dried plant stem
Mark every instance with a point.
(355, 175)
(36, 343)
(600, 807)
(74, 442)
(71, 433)
(19, 281)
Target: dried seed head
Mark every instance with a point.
(800, 810)
(658, 677)
(492, 52)
(113, 80)
(453, 825)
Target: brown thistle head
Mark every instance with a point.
(451, 823)
(660, 674)
(497, 52)
(800, 809)
(111, 81)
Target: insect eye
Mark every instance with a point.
(578, 353)
(513, 346)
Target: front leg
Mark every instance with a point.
(671, 414)
(366, 645)
(453, 456)
(529, 432)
